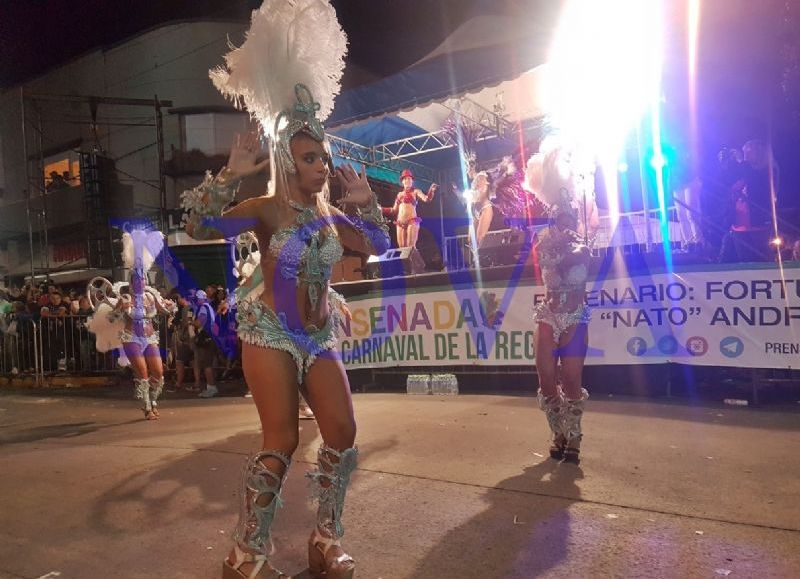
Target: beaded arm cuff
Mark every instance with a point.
(371, 224)
(207, 201)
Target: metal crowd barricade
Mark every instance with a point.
(67, 346)
(458, 253)
(63, 345)
(20, 347)
(52, 345)
(629, 233)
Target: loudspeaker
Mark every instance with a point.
(395, 262)
(349, 268)
(503, 247)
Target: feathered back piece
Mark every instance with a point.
(506, 189)
(290, 42)
(565, 177)
(151, 244)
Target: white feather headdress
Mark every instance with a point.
(150, 242)
(562, 176)
(290, 42)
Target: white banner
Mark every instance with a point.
(710, 317)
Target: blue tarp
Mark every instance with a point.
(436, 79)
(364, 114)
(377, 131)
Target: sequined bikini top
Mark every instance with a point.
(147, 312)
(557, 276)
(407, 196)
(478, 207)
(303, 253)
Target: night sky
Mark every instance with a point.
(742, 50)
(384, 35)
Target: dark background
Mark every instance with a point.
(748, 83)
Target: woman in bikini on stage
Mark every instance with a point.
(405, 209)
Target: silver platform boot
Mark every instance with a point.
(156, 388)
(330, 482)
(141, 390)
(573, 433)
(553, 408)
(260, 499)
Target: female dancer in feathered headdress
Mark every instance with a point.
(124, 314)
(286, 75)
(563, 179)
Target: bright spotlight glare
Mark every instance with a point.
(468, 196)
(603, 69)
(622, 167)
(658, 162)
(777, 242)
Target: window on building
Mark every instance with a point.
(62, 170)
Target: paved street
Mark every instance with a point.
(446, 488)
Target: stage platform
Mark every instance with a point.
(614, 263)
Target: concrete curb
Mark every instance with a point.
(57, 382)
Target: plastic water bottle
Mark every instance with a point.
(444, 384)
(418, 384)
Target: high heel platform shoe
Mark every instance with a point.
(261, 568)
(573, 433)
(572, 455)
(553, 408)
(558, 447)
(322, 562)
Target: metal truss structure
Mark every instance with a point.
(394, 155)
(369, 156)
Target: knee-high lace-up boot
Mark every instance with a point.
(553, 408)
(573, 414)
(142, 392)
(260, 499)
(331, 479)
(156, 387)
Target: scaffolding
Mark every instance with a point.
(96, 168)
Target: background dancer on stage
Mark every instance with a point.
(124, 314)
(405, 209)
(288, 329)
(562, 319)
(498, 194)
(482, 207)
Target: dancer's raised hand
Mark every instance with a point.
(432, 191)
(243, 160)
(355, 186)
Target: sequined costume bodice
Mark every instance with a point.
(306, 251)
(147, 311)
(478, 207)
(564, 263)
(560, 277)
(407, 196)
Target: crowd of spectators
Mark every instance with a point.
(201, 336)
(738, 195)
